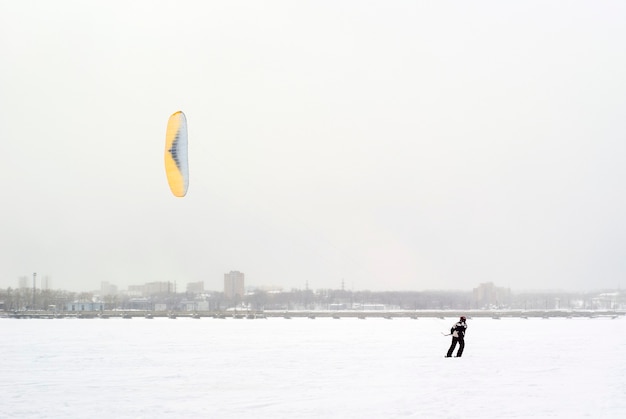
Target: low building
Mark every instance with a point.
(195, 287)
(84, 306)
(139, 304)
(189, 305)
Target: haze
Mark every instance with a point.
(402, 145)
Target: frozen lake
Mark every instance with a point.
(304, 368)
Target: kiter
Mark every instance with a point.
(458, 336)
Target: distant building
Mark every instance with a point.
(135, 290)
(189, 305)
(234, 284)
(84, 306)
(140, 303)
(107, 288)
(153, 288)
(605, 301)
(195, 287)
(46, 283)
(203, 306)
(487, 295)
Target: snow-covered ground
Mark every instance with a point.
(304, 368)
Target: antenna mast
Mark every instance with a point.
(34, 287)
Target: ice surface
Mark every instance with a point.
(303, 368)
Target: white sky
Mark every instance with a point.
(401, 145)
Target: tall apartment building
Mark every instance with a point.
(234, 284)
(487, 294)
(46, 283)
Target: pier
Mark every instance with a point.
(338, 315)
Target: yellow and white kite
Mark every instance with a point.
(176, 165)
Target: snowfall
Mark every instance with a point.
(311, 368)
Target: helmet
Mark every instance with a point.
(463, 318)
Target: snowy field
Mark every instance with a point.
(304, 368)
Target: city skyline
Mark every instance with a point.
(163, 297)
(233, 282)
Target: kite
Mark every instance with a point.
(176, 166)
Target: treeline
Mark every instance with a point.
(14, 299)
(434, 300)
(327, 298)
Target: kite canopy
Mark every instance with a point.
(176, 166)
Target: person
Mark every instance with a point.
(458, 336)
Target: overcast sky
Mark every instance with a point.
(391, 145)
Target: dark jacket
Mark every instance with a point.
(458, 330)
